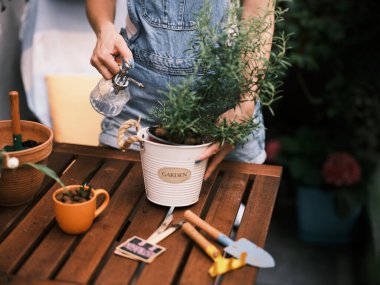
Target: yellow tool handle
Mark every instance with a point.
(208, 247)
(191, 217)
(15, 112)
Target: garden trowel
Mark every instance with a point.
(16, 128)
(221, 264)
(256, 256)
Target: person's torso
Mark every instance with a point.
(163, 31)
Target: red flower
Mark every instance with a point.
(341, 169)
(273, 148)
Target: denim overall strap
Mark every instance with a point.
(158, 23)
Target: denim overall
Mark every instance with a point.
(163, 31)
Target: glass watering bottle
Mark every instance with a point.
(109, 96)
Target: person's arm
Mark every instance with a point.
(101, 15)
(251, 8)
(261, 8)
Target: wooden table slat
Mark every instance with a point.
(255, 222)
(254, 169)
(221, 215)
(21, 280)
(9, 216)
(52, 251)
(94, 245)
(100, 152)
(146, 221)
(33, 250)
(27, 234)
(176, 245)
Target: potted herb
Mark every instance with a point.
(75, 205)
(232, 61)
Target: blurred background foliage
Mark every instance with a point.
(332, 87)
(331, 91)
(334, 81)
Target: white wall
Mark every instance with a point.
(10, 49)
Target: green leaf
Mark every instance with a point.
(230, 57)
(348, 200)
(47, 171)
(304, 171)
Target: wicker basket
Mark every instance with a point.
(18, 186)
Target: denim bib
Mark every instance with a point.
(163, 31)
(167, 21)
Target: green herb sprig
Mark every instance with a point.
(231, 62)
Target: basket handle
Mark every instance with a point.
(123, 142)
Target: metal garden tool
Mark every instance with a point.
(221, 264)
(16, 127)
(256, 256)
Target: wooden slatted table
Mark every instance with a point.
(33, 250)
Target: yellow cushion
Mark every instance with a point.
(73, 118)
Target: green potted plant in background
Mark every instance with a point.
(333, 87)
(331, 103)
(232, 60)
(330, 181)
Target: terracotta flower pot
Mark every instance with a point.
(18, 186)
(78, 218)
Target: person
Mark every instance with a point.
(154, 40)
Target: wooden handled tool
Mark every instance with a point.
(256, 256)
(16, 125)
(221, 264)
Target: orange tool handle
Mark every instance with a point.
(191, 217)
(15, 112)
(208, 247)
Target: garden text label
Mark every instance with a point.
(174, 175)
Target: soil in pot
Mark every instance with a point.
(30, 143)
(24, 145)
(159, 134)
(76, 212)
(75, 196)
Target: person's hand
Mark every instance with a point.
(109, 43)
(215, 150)
(218, 152)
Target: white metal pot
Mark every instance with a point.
(171, 176)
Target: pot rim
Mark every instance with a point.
(71, 187)
(32, 149)
(143, 131)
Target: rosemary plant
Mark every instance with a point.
(231, 62)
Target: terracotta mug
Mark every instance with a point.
(77, 218)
